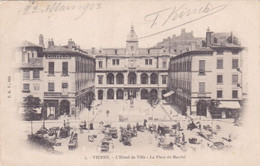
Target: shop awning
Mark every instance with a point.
(229, 104)
(168, 94)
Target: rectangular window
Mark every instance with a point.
(220, 64)
(64, 85)
(146, 61)
(150, 61)
(234, 63)
(164, 65)
(114, 61)
(219, 79)
(202, 66)
(26, 87)
(50, 86)
(36, 74)
(26, 75)
(36, 87)
(219, 93)
(164, 81)
(201, 87)
(100, 64)
(100, 79)
(117, 61)
(65, 68)
(234, 79)
(234, 94)
(132, 47)
(189, 66)
(51, 67)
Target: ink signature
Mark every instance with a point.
(59, 7)
(167, 16)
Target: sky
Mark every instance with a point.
(106, 24)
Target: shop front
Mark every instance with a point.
(229, 109)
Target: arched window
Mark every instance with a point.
(120, 78)
(154, 78)
(153, 92)
(100, 94)
(144, 78)
(110, 78)
(144, 94)
(110, 94)
(131, 78)
(119, 94)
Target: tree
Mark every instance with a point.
(88, 99)
(153, 99)
(213, 105)
(31, 103)
(203, 105)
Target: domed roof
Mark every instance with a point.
(132, 37)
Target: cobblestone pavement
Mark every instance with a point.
(145, 141)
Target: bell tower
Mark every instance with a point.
(132, 43)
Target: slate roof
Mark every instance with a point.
(33, 63)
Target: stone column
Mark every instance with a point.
(105, 94)
(159, 93)
(138, 80)
(126, 78)
(138, 95)
(114, 93)
(148, 78)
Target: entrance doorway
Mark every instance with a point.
(64, 107)
(131, 93)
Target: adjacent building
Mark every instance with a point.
(182, 43)
(31, 74)
(61, 76)
(211, 72)
(131, 72)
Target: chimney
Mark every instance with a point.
(52, 42)
(41, 41)
(93, 50)
(70, 44)
(209, 37)
(192, 46)
(49, 43)
(231, 35)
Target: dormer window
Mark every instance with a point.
(116, 51)
(148, 51)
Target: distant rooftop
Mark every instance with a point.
(29, 44)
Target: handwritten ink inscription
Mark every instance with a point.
(60, 7)
(167, 17)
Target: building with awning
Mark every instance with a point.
(168, 94)
(229, 105)
(211, 72)
(228, 109)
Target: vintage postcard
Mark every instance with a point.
(129, 83)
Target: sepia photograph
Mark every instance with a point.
(129, 82)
